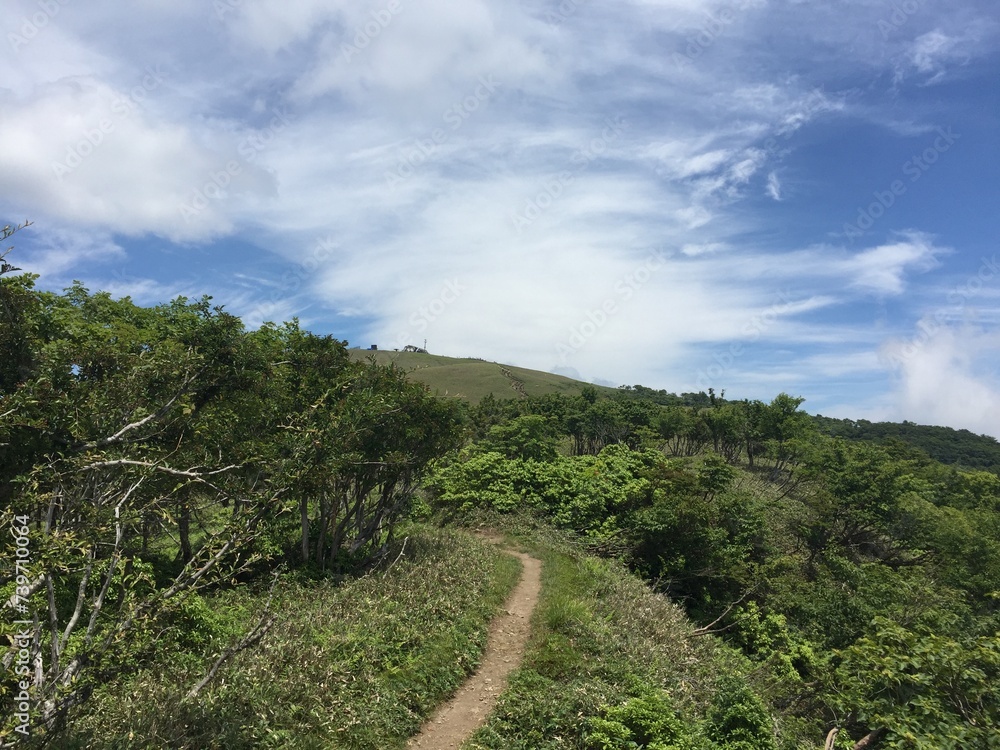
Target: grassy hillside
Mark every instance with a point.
(611, 664)
(360, 664)
(356, 665)
(472, 379)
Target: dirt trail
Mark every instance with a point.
(516, 383)
(456, 720)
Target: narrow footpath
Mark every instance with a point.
(455, 721)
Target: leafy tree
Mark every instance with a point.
(917, 688)
(151, 453)
(531, 437)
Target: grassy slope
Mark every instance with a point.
(601, 638)
(357, 665)
(473, 379)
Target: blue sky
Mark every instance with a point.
(753, 195)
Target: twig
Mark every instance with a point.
(707, 629)
(266, 622)
(399, 556)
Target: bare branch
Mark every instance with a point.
(399, 556)
(78, 609)
(261, 629)
(153, 417)
(197, 476)
(707, 629)
(190, 473)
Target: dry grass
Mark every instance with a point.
(356, 665)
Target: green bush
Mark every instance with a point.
(646, 721)
(738, 719)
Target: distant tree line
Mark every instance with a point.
(945, 444)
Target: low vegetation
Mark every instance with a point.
(613, 664)
(355, 664)
(209, 539)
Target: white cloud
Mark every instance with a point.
(774, 186)
(677, 160)
(58, 251)
(424, 57)
(931, 50)
(83, 152)
(693, 250)
(883, 269)
(948, 378)
(935, 54)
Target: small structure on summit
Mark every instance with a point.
(416, 349)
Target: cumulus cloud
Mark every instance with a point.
(948, 377)
(86, 153)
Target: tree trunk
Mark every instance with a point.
(870, 739)
(304, 518)
(324, 524)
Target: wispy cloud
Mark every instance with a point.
(774, 186)
(883, 269)
(346, 162)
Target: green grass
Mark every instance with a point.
(473, 379)
(604, 645)
(355, 665)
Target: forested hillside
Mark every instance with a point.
(207, 517)
(862, 581)
(944, 444)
